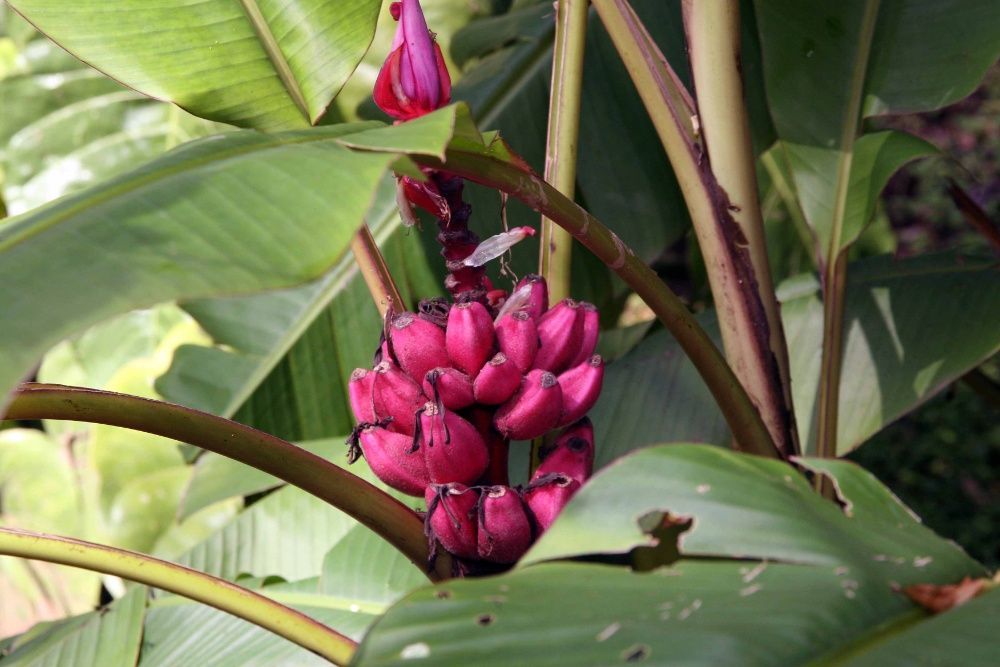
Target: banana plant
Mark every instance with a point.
(430, 274)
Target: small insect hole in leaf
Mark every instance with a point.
(485, 619)
(443, 595)
(636, 653)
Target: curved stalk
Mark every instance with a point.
(556, 246)
(740, 413)
(219, 593)
(383, 514)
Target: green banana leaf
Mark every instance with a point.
(252, 64)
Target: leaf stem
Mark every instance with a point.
(834, 282)
(219, 593)
(835, 271)
(383, 514)
(713, 34)
(743, 319)
(740, 413)
(375, 271)
(555, 247)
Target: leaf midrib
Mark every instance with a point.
(277, 57)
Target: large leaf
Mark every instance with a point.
(360, 576)
(182, 632)
(694, 613)
(257, 63)
(37, 482)
(743, 506)
(66, 126)
(965, 636)
(345, 575)
(90, 140)
(824, 576)
(654, 394)
(93, 357)
(55, 484)
(216, 477)
(911, 328)
(914, 62)
(875, 158)
(145, 507)
(286, 534)
(257, 212)
(252, 334)
(283, 360)
(109, 637)
(364, 569)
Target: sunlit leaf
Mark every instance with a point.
(743, 506)
(253, 64)
(234, 230)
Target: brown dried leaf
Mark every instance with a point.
(937, 599)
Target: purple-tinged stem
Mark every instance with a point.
(464, 283)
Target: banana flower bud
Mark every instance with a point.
(414, 79)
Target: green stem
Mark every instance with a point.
(835, 270)
(383, 514)
(219, 593)
(740, 413)
(375, 271)
(713, 35)
(834, 282)
(743, 318)
(555, 249)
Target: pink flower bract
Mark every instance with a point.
(414, 79)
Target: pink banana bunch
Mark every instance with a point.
(454, 384)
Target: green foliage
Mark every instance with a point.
(110, 636)
(892, 361)
(855, 60)
(747, 507)
(791, 577)
(132, 191)
(248, 64)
